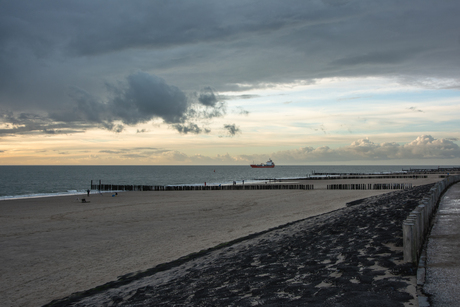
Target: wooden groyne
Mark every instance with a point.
(370, 186)
(341, 176)
(117, 187)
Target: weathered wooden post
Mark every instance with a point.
(410, 254)
(425, 214)
(421, 209)
(415, 217)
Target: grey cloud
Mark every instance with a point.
(152, 27)
(148, 96)
(218, 111)
(415, 109)
(208, 97)
(190, 128)
(141, 98)
(388, 57)
(45, 46)
(88, 107)
(137, 152)
(232, 129)
(336, 2)
(227, 97)
(118, 128)
(112, 151)
(26, 123)
(246, 96)
(241, 111)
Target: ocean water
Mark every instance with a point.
(39, 181)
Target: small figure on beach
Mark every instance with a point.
(87, 191)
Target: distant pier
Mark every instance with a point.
(454, 169)
(370, 186)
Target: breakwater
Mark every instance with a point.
(370, 186)
(454, 169)
(334, 176)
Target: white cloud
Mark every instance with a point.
(364, 150)
(424, 147)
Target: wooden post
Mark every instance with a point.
(426, 218)
(408, 241)
(421, 209)
(414, 217)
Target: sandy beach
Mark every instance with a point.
(52, 247)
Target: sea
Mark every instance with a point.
(45, 181)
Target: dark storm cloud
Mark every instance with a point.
(207, 97)
(141, 98)
(148, 96)
(47, 47)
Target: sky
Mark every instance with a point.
(210, 82)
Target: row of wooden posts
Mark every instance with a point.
(329, 176)
(370, 186)
(417, 224)
(115, 187)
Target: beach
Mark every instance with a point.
(55, 246)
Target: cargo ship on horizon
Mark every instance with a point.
(268, 164)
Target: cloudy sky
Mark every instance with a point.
(229, 82)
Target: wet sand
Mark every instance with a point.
(52, 247)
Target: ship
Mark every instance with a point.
(268, 164)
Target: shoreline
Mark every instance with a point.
(55, 246)
(309, 179)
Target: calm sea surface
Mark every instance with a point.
(38, 181)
